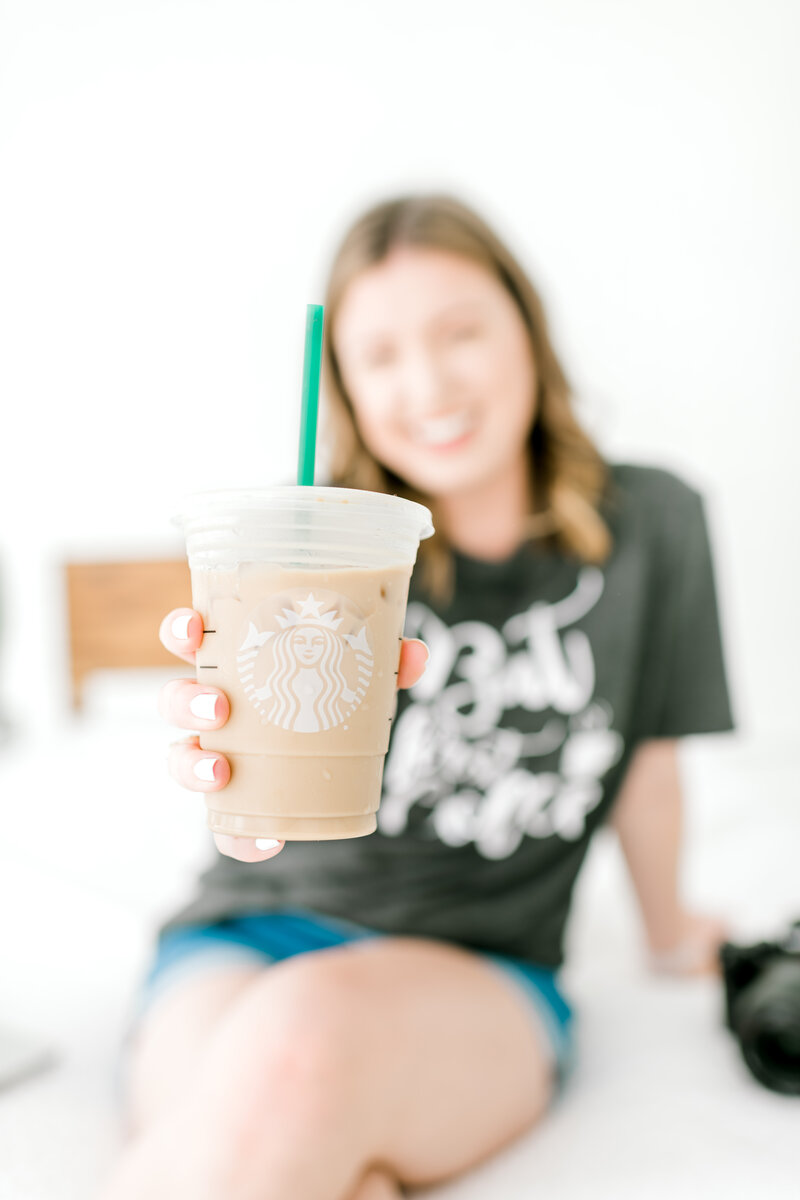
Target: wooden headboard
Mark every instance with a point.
(115, 610)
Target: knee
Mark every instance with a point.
(282, 1072)
(290, 1045)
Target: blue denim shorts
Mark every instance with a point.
(269, 937)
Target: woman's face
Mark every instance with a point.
(438, 365)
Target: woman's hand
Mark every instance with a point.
(696, 950)
(191, 705)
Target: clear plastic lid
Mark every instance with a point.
(314, 527)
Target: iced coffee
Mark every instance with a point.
(303, 603)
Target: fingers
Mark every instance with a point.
(206, 771)
(248, 849)
(414, 655)
(181, 632)
(196, 769)
(191, 705)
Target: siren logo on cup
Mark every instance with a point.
(305, 662)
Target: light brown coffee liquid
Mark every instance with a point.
(308, 660)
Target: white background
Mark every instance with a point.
(177, 175)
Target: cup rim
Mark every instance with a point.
(221, 502)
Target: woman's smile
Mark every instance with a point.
(447, 432)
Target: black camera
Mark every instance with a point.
(762, 999)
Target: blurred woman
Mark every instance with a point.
(340, 1020)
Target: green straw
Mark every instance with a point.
(312, 361)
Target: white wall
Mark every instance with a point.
(176, 175)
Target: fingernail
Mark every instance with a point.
(266, 843)
(180, 627)
(204, 769)
(204, 706)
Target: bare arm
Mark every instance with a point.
(648, 819)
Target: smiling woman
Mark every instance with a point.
(429, 411)
(574, 640)
(442, 382)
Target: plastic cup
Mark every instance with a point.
(303, 593)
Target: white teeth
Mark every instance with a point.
(441, 430)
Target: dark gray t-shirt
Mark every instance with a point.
(544, 675)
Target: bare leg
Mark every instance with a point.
(168, 1048)
(402, 1054)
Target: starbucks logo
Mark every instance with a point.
(304, 662)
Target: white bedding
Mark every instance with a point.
(660, 1104)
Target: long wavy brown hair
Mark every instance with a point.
(568, 473)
